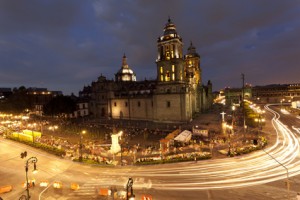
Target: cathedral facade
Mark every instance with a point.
(175, 96)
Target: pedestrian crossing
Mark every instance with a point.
(91, 189)
(106, 187)
(86, 191)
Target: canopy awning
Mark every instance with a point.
(184, 136)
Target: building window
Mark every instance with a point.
(168, 55)
(173, 68)
(173, 76)
(181, 75)
(139, 104)
(161, 77)
(115, 104)
(126, 104)
(168, 104)
(161, 69)
(167, 76)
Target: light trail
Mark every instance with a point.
(256, 168)
(242, 171)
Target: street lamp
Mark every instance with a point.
(260, 119)
(129, 196)
(229, 139)
(34, 161)
(232, 121)
(122, 140)
(52, 128)
(80, 145)
(32, 126)
(281, 101)
(287, 173)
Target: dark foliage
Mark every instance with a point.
(17, 102)
(59, 105)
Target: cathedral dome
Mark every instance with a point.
(125, 73)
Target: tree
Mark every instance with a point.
(60, 105)
(17, 102)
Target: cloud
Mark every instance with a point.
(64, 46)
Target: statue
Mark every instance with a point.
(115, 146)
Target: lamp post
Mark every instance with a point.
(122, 140)
(259, 120)
(232, 121)
(80, 144)
(281, 101)
(229, 139)
(34, 161)
(287, 173)
(53, 128)
(32, 126)
(223, 122)
(129, 196)
(243, 103)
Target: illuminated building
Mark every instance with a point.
(274, 93)
(175, 96)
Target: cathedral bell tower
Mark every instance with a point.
(192, 66)
(170, 63)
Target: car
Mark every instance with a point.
(5, 188)
(74, 186)
(57, 185)
(44, 183)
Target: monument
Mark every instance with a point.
(115, 146)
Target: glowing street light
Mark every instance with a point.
(232, 121)
(260, 119)
(53, 128)
(32, 160)
(281, 101)
(287, 172)
(129, 195)
(32, 126)
(80, 144)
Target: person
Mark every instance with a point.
(33, 182)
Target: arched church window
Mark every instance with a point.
(167, 76)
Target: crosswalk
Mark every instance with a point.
(113, 188)
(86, 191)
(91, 190)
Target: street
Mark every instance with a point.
(260, 175)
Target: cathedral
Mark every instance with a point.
(175, 96)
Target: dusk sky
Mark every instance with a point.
(65, 45)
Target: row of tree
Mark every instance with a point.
(21, 100)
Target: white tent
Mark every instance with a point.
(184, 136)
